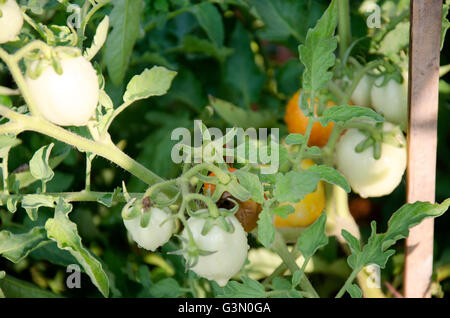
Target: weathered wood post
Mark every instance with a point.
(425, 36)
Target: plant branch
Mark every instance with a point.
(349, 281)
(357, 78)
(103, 149)
(279, 246)
(82, 196)
(344, 26)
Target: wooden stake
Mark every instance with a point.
(425, 37)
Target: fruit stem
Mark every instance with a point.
(357, 78)
(11, 63)
(302, 149)
(211, 205)
(221, 175)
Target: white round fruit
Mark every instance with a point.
(230, 250)
(370, 177)
(11, 21)
(361, 94)
(391, 100)
(69, 99)
(158, 231)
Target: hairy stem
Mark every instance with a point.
(82, 196)
(103, 149)
(302, 150)
(279, 246)
(344, 26)
(348, 282)
(357, 78)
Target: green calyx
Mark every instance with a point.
(376, 137)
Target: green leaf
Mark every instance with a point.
(354, 290)
(16, 247)
(284, 18)
(187, 88)
(249, 288)
(331, 176)
(125, 19)
(50, 252)
(251, 182)
(109, 198)
(296, 278)
(6, 143)
(16, 288)
(11, 204)
(25, 178)
(396, 40)
(39, 166)
(294, 185)
(346, 113)
(376, 250)
(244, 78)
(281, 283)
(295, 294)
(355, 248)
(295, 139)
(167, 287)
(192, 44)
(64, 232)
(288, 76)
(266, 229)
(283, 210)
(313, 237)
(151, 82)
(317, 54)
(32, 202)
(239, 117)
(99, 39)
(210, 19)
(408, 216)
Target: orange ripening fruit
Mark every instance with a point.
(297, 122)
(308, 209)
